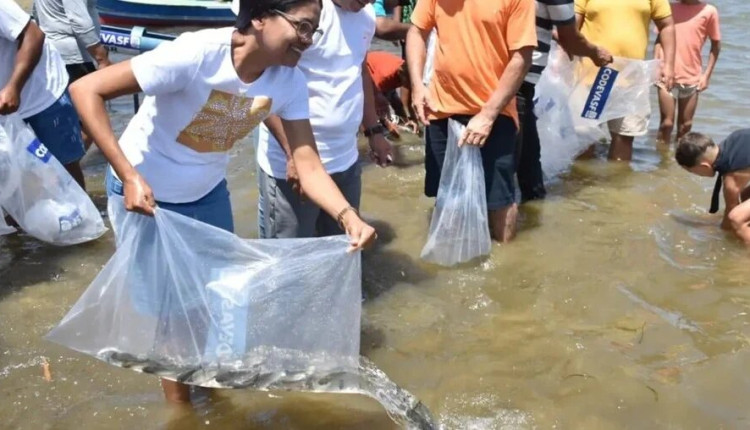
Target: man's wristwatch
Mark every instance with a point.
(376, 129)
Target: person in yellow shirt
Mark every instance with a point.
(622, 28)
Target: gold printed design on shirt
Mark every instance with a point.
(223, 120)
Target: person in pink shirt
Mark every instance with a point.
(695, 21)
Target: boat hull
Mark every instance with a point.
(200, 12)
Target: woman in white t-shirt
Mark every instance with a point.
(205, 91)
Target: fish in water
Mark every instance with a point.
(676, 319)
(251, 372)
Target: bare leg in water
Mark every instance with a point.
(588, 154)
(666, 109)
(686, 107)
(175, 392)
(503, 223)
(739, 217)
(621, 148)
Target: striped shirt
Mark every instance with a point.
(549, 13)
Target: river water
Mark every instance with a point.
(620, 305)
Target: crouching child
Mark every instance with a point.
(730, 159)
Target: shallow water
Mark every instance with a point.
(620, 305)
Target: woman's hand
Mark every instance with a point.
(138, 195)
(361, 235)
(292, 177)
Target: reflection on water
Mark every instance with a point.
(584, 322)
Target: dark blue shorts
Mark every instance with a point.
(498, 159)
(214, 208)
(59, 129)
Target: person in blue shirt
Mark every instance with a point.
(386, 27)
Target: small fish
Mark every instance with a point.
(675, 319)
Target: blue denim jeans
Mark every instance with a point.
(214, 208)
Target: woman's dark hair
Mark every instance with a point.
(691, 147)
(257, 9)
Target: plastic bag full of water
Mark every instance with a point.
(37, 191)
(196, 298)
(574, 98)
(459, 229)
(189, 302)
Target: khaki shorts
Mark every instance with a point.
(681, 91)
(633, 125)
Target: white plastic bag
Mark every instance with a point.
(10, 175)
(459, 229)
(37, 191)
(191, 302)
(574, 98)
(557, 134)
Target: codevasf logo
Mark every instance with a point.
(224, 348)
(597, 99)
(38, 150)
(115, 39)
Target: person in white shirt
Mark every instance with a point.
(72, 26)
(33, 84)
(341, 98)
(205, 91)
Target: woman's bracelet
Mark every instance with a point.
(340, 216)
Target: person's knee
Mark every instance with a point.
(667, 124)
(685, 127)
(738, 217)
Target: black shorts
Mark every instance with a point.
(79, 70)
(498, 159)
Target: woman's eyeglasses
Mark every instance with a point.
(305, 30)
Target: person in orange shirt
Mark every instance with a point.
(695, 21)
(389, 73)
(483, 53)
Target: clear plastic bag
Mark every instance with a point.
(190, 302)
(37, 191)
(621, 89)
(557, 134)
(459, 229)
(10, 174)
(574, 98)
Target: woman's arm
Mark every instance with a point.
(320, 188)
(89, 94)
